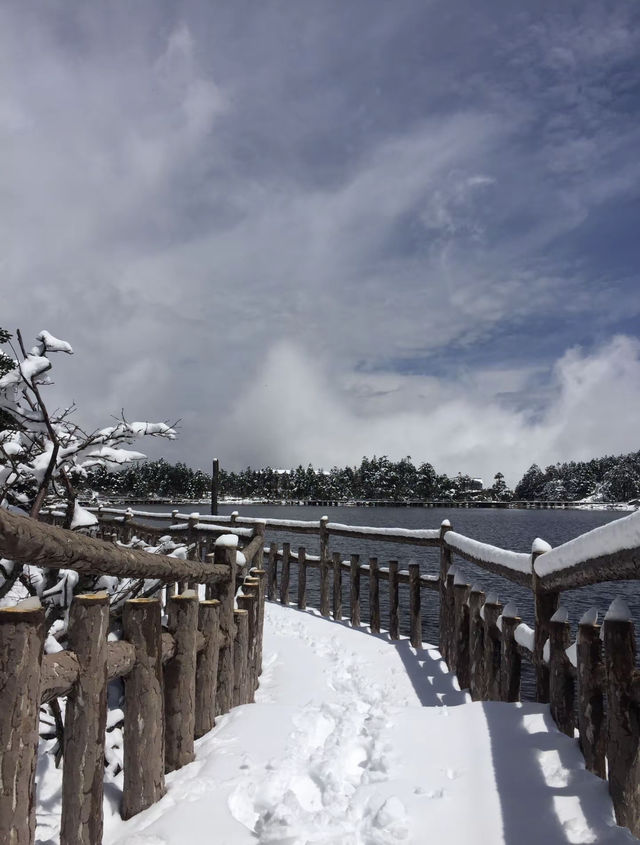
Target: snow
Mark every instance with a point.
(516, 561)
(606, 540)
(415, 533)
(525, 636)
(510, 611)
(82, 518)
(539, 547)
(589, 617)
(572, 654)
(49, 343)
(229, 541)
(240, 559)
(32, 603)
(561, 615)
(618, 611)
(354, 740)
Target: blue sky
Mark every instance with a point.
(316, 230)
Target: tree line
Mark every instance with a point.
(605, 479)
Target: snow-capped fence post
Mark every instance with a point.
(143, 708)
(241, 621)
(591, 718)
(272, 571)
(251, 588)
(180, 682)
(324, 567)
(445, 563)
(510, 660)
(415, 616)
(261, 576)
(22, 633)
(302, 578)
(476, 644)
(126, 530)
(285, 573)
(492, 650)
(460, 652)
(354, 593)
(622, 716)
(394, 622)
(374, 595)
(248, 602)
(545, 604)
(85, 722)
(450, 619)
(337, 586)
(226, 555)
(561, 684)
(207, 666)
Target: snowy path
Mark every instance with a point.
(340, 748)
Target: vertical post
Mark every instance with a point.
(226, 555)
(286, 572)
(180, 682)
(22, 633)
(445, 563)
(207, 667)
(248, 602)
(215, 471)
(355, 590)
(545, 605)
(623, 738)
(561, 686)
(374, 595)
(261, 575)
(450, 620)
(510, 664)
(143, 708)
(302, 578)
(324, 540)
(251, 587)
(85, 723)
(591, 720)
(476, 645)
(324, 579)
(492, 649)
(241, 620)
(461, 632)
(273, 571)
(337, 586)
(394, 623)
(414, 605)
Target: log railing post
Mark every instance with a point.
(450, 620)
(85, 723)
(143, 708)
(324, 540)
(510, 662)
(591, 720)
(545, 605)
(337, 586)
(324, 567)
(285, 573)
(374, 595)
(261, 575)
(226, 555)
(272, 571)
(207, 666)
(302, 578)
(252, 588)
(22, 633)
(248, 602)
(476, 644)
(354, 603)
(241, 620)
(180, 682)
(394, 622)
(461, 631)
(561, 686)
(445, 563)
(415, 615)
(492, 649)
(622, 717)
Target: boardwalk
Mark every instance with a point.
(355, 740)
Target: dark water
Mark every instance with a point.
(509, 529)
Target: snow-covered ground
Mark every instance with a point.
(354, 740)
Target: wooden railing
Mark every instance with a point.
(176, 680)
(482, 640)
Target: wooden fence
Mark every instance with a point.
(177, 679)
(592, 685)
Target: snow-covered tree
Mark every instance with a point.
(43, 450)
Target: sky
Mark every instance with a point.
(317, 230)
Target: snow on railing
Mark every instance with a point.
(485, 553)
